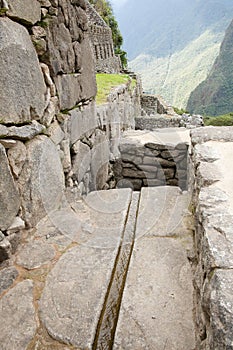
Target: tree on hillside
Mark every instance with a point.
(104, 8)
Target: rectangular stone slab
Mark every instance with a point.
(157, 305)
(162, 211)
(76, 288)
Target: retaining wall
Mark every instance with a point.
(213, 282)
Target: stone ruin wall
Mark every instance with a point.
(157, 114)
(213, 275)
(102, 44)
(53, 137)
(151, 165)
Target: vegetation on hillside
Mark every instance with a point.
(105, 82)
(104, 8)
(214, 96)
(221, 120)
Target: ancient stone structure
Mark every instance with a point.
(156, 114)
(102, 44)
(52, 134)
(115, 269)
(152, 159)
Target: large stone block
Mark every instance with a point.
(22, 84)
(76, 87)
(9, 195)
(24, 10)
(41, 181)
(17, 317)
(156, 311)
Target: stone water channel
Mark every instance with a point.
(112, 270)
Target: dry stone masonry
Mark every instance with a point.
(102, 44)
(84, 265)
(153, 159)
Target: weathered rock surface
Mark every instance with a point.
(17, 317)
(9, 195)
(35, 254)
(212, 152)
(75, 290)
(22, 84)
(221, 309)
(7, 278)
(41, 181)
(156, 310)
(24, 10)
(162, 212)
(17, 157)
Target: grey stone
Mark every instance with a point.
(17, 224)
(211, 133)
(100, 156)
(162, 211)
(9, 195)
(22, 84)
(7, 278)
(17, 318)
(165, 163)
(24, 10)
(131, 158)
(205, 153)
(55, 133)
(17, 157)
(153, 182)
(208, 173)
(82, 160)
(26, 132)
(157, 307)
(77, 286)
(149, 160)
(66, 161)
(82, 122)
(137, 174)
(3, 131)
(79, 281)
(41, 181)
(35, 254)
(221, 310)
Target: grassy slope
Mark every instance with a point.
(177, 76)
(105, 82)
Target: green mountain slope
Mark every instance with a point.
(214, 96)
(175, 76)
(173, 44)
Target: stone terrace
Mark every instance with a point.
(119, 269)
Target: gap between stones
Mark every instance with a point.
(104, 337)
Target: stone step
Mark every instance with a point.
(157, 306)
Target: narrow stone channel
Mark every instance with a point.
(109, 316)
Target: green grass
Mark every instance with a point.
(105, 82)
(221, 120)
(180, 111)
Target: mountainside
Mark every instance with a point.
(214, 96)
(173, 44)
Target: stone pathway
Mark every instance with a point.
(109, 271)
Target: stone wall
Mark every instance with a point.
(211, 149)
(154, 104)
(148, 162)
(102, 44)
(53, 137)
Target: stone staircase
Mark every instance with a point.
(112, 270)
